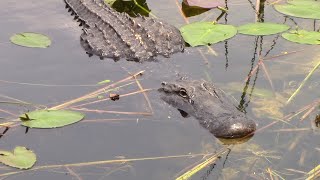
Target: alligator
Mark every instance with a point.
(111, 34)
(214, 110)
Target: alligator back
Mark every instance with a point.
(111, 34)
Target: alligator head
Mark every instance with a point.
(210, 105)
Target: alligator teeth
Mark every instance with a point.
(67, 6)
(69, 10)
(72, 13)
(76, 17)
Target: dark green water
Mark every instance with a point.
(165, 133)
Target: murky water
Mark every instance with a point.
(289, 149)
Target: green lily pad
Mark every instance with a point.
(303, 37)
(204, 33)
(262, 29)
(29, 39)
(300, 8)
(21, 158)
(50, 118)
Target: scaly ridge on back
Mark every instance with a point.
(136, 39)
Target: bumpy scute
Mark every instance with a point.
(107, 33)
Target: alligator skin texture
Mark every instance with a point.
(108, 33)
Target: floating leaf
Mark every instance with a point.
(300, 8)
(21, 158)
(204, 33)
(303, 37)
(29, 39)
(262, 29)
(209, 4)
(50, 118)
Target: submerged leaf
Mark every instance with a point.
(262, 29)
(266, 107)
(190, 11)
(300, 8)
(29, 39)
(303, 37)
(50, 118)
(204, 4)
(257, 92)
(204, 33)
(21, 158)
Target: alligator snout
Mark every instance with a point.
(237, 127)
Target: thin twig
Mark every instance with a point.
(112, 112)
(144, 94)
(73, 173)
(68, 103)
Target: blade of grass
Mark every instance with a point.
(314, 173)
(202, 165)
(144, 9)
(292, 130)
(92, 163)
(48, 85)
(303, 82)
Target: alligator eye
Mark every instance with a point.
(183, 93)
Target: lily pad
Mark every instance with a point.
(300, 8)
(21, 158)
(29, 39)
(303, 37)
(262, 29)
(50, 118)
(204, 33)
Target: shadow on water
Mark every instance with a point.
(129, 145)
